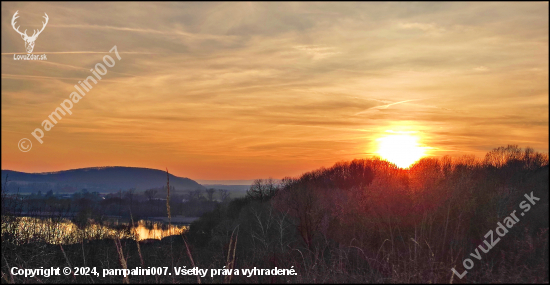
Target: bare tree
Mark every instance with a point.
(210, 194)
(130, 195)
(263, 189)
(224, 194)
(151, 193)
(195, 195)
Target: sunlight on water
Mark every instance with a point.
(27, 229)
(143, 232)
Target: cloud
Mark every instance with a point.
(228, 90)
(430, 28)
(318, 52)
(168, 33)
(481, 68)
(369, 110)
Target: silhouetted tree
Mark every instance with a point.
(262, 189)
(130, 195)
(210, 194)
(224, 194)
(151, 193)
(195, 195)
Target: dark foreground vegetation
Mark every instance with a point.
(359, 221)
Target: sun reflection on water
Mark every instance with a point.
(53, 231)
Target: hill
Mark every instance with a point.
(100, 179)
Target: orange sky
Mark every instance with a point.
(222, 91)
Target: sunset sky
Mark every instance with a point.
(221, 91)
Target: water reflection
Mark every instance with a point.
(155, 230)
(55, 231)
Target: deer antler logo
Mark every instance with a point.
(29, 41)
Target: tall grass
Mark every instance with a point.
(364, 221)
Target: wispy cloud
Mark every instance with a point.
(380, 107)
(481, 68)
(430, 28)
(245, 90)
(318, 52)
(169, 33)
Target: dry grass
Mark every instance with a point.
(363, 237)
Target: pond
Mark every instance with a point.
(63, 231)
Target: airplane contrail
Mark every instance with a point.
(386, 106)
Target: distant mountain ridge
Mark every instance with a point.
(101, 179)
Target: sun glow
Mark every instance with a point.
(401, 149)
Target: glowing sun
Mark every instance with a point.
(401, 149)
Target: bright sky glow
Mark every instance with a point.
(400, 149)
